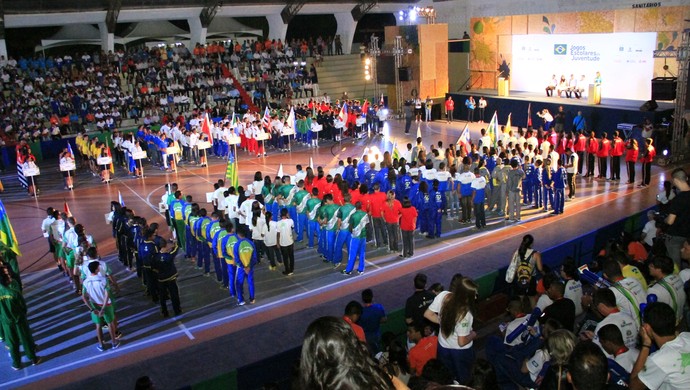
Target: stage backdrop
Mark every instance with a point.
(625, 61)
(491, 41)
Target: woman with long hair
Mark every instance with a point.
(332, 358)
(523, 268)
(454, 312)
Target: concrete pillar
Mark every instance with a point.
(346, 30)
(107, 39)
(3, 48)
(196, 31)
(276, 28)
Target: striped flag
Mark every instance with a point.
(231, 174)
(119, 198)
(206, 128)
(69, 148)
(529, 114)
(343, 113)
(67, 210)
(266, 119)
(492, 130)
(20, 171)
(464, 139)
(7, 237)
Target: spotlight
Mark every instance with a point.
(665, 152)
(413, 15)
(367, 61)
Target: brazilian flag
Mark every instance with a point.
(7, 237)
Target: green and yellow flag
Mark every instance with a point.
(7, 237)
(231, 174)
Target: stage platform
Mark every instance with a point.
(214, 336)
(602, 117)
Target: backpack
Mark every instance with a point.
(524, 271)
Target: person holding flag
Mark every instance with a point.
(67, 158)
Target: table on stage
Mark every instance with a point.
(594, 95)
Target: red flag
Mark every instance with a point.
(529, 114)
(67, 210)
(206, 128)
(266, 119)
(365, 107)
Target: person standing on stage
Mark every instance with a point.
(559, 180)
(245, 258)
(470, 104)
(342, 238)
(166, 272)
(514, 186)
(97, 298)
(571, 165)
(286, 241)
(592, 150)
(478, 188)
(358, 241)
(647, 158)
(14, 326)
(428, 104)
(603, 155)
(482, 107)
(418, 109)
(450, 107)
(580, 147)
(631, 153)
(547, 182)
(617, 149)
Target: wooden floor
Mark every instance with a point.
(213, 335)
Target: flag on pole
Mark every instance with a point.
(311, 163)
(107, 149)
(291, 120)
(396, 153)
(69, 149)
(419, 132)
(365, 107)
(206, 127)
(231, 174)
(280, 171)
(492, 130)
(20, 171)
(67, 210)
(7, 237)
(529, 114)
(508, 127)
(464, 139)
(343, 113)
(266, 119)
(119, 198)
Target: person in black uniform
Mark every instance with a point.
(164, 268)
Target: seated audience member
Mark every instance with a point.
(423, 350)
(668, 287)
(333, 358)
(589, 369)
(611, 341)
(667, 367)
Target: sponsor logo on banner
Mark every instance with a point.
(560, 49)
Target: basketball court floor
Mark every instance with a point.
(213, 335)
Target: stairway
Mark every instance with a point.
(338, 74)
(243, 93)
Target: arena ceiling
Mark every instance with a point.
(54, 6)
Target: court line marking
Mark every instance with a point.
(185, 330)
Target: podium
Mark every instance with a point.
(503, 86)
(594, 95)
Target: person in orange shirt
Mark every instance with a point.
(353, 311)
(631, 153)
(377, 201)
(391, 215)
(424, 349)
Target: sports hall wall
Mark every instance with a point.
(491, 41)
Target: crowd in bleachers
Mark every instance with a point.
(47, 97)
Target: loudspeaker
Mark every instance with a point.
(664, 88)
(385, 70)
(405, 74)
(649, 105)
